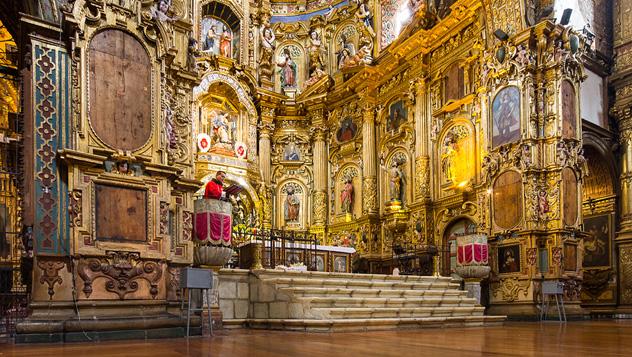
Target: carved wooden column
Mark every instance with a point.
(265, 191)
(319, 132)
(422, 160)
(266, 127)
(369, 159)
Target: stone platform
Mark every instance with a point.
(328, 302)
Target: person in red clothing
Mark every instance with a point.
(214, 188)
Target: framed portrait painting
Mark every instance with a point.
(340, 263)
(597, 243)
(506, 116)
(509, 259)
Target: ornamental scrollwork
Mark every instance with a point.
(121, 270)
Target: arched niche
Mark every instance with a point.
(348, 191)
(346, 41)
(120, 90)
(290, 67)
(397, 179)
(599, 183)
(246, 206)
(219, 93)
(599, 208)
(457, 155)
(292, 205)
(458, 226)
(219, 30)
(507, 200)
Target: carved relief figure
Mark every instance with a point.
(506, 116)
(160, 11)
(347, 130)
(225, 43)
(364, 15)
(211, 38)
(543, 203)
(346, 196)
(292, 205)
(287, 70)
(218, 38)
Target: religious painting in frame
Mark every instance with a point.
(340, 263)
(293, 256)
(509, 259)
(569, 110)
(291, 152)
(397, 115)
(321, 262)
(570, 257)
(347, 130)
(506, 116)
(597, 244)
(218, 38)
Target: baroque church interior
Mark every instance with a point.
(384, 164)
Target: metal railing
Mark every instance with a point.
(281, 247)
(13, 309)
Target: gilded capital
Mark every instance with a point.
(319, 133)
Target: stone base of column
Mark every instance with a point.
(473, 288)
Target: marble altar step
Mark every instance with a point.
(398, 312)
(329, 302)
(356, 283)
(347, 277)
(315, 302)
(370, 324)
(368, 293)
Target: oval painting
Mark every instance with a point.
(120, 90)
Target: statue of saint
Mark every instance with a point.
(396, 178)
(287, 70)
(267, 51)
(292, 205)
(346, 196)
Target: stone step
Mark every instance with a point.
(399, 312)
(316, 302)
(342, 325)
(355, 283)
(368, 293)
(273, 273)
